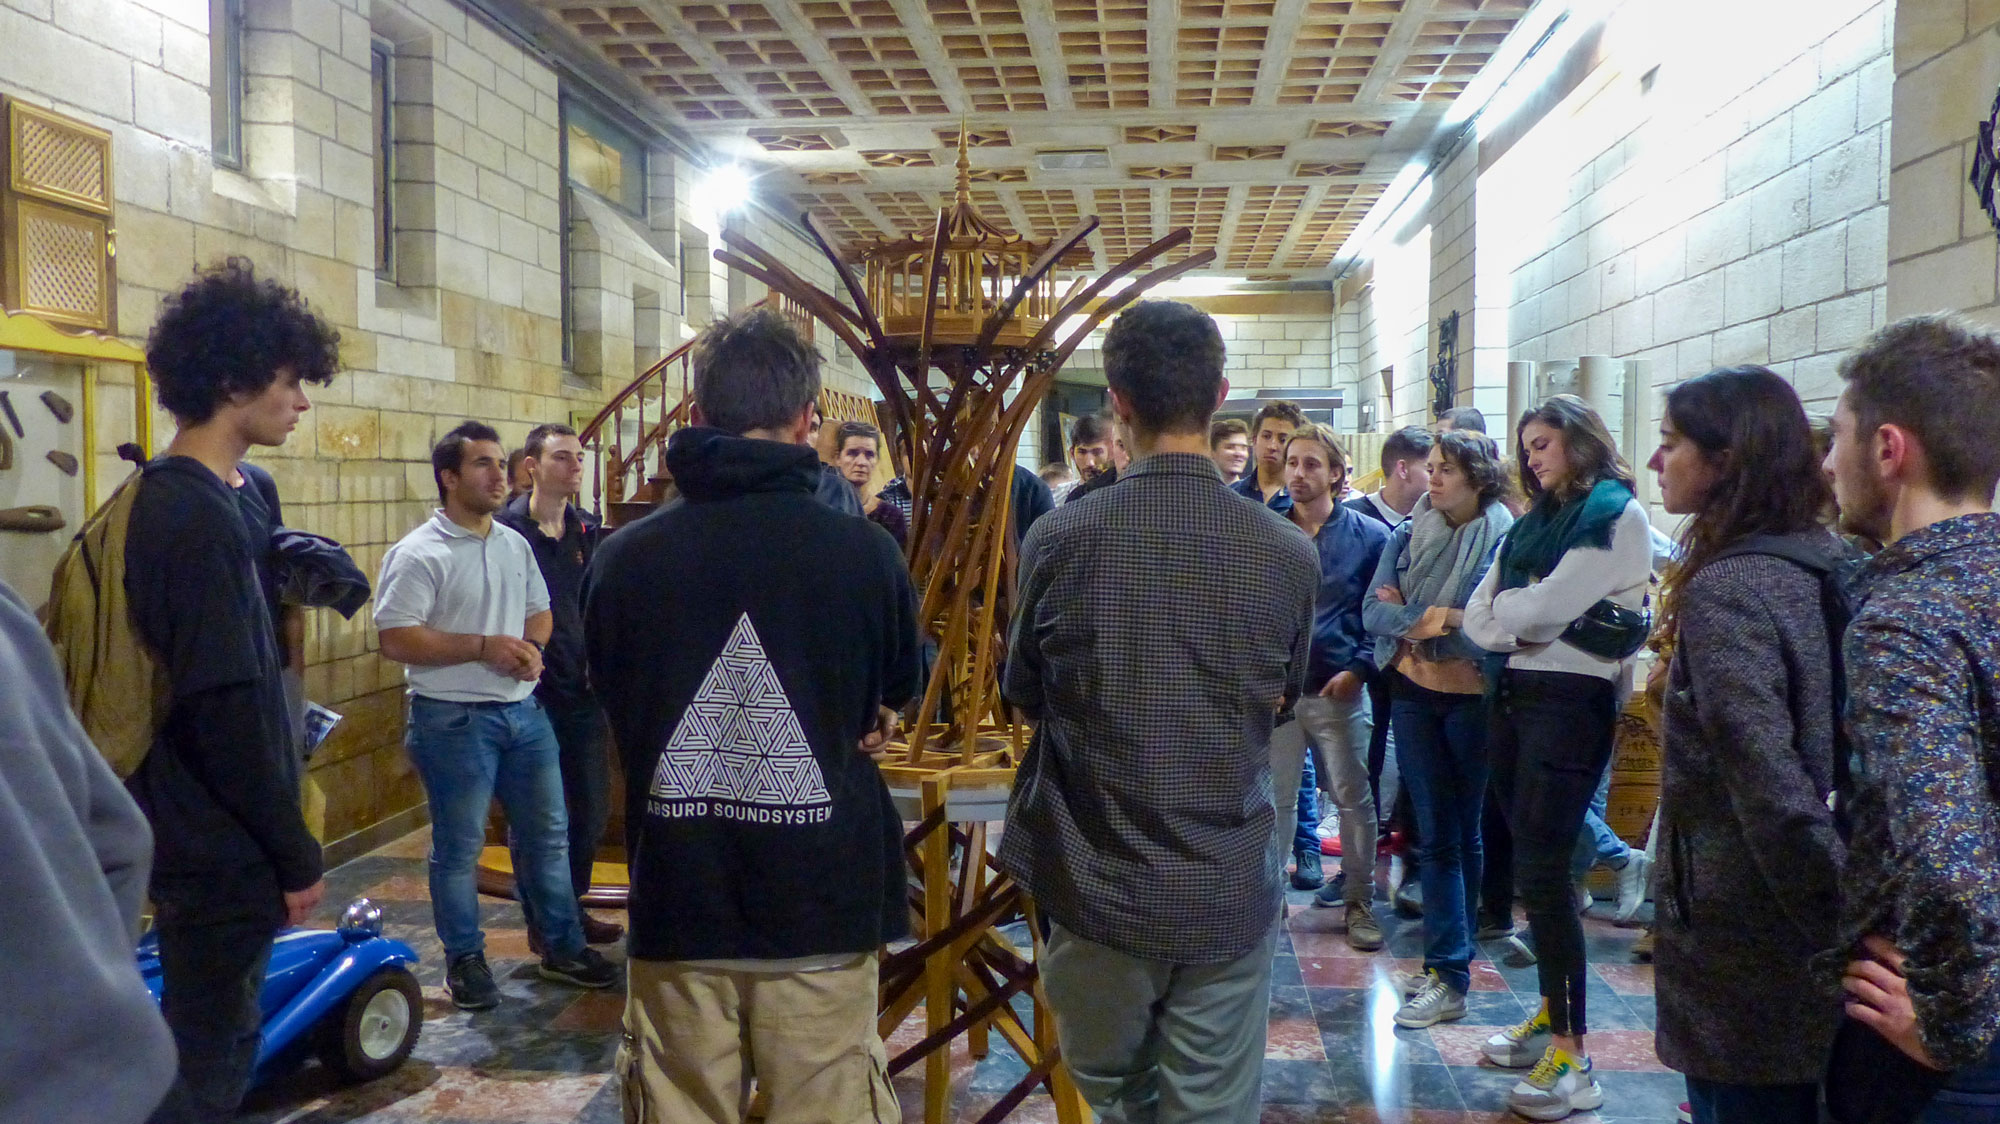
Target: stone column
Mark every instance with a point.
(1520, 392)
(1594, 379)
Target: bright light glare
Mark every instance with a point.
(725, 188)
(1513, 52)
(1406, 195)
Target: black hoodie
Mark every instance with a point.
(740, 642)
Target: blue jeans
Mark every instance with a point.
(1597, 843)
(466, 754)
(1719, 1102)
(1306, 833)
(1970, 1096)
(1440, 747)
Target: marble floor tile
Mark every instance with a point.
(1333, 1053)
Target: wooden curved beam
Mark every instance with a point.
(795, 286)
(810, 297)
(1096, 288)
(1111, 306)
(870, 323)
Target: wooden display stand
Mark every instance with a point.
(963, 970)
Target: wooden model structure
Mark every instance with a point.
(963, 331)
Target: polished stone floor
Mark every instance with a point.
(545, 1055)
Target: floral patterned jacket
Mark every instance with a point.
(1923, 867)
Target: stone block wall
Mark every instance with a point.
(1704, 201)
(467, 325)
(1696, 200)
(1941, 243)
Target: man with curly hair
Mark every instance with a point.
(234, 861)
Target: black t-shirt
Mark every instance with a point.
(221, 782)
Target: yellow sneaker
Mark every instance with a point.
(1519, 1047)
(1560, 1084)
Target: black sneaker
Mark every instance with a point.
(471, 983)
(588, 968)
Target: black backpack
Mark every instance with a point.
(1836, 604)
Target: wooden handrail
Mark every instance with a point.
(613, 465)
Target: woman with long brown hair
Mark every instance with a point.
(1565, 599)
(1416, 613)
(1748, 873)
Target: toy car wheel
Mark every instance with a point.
(377, 1028)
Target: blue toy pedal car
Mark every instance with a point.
(345, 994)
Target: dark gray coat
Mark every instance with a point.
(1749, 861)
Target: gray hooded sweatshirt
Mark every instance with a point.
(80, 1038)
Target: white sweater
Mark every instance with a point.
(1527, 622)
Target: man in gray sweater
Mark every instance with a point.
(82, 1039)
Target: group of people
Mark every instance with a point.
(1826, 889)
(1199, 655)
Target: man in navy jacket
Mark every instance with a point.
(1332, 719)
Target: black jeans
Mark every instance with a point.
(211, 974)
(1550, 741)
(586, 781)
(1496, 879)
(1718, 1102)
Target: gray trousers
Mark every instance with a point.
(1337, 734)
(1149, 1042)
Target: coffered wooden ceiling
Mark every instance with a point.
(1268, 126)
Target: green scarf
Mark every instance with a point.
(1553, 527)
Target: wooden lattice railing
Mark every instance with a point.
(627, 440)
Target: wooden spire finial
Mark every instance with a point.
(964, 166)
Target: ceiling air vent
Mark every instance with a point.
(1072, 159)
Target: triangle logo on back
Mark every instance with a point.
(739, 742)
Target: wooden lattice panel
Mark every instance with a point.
(900, 158)
(975, 13)
(1309, 169)
(1346, 130)
(54, 158)
(794, 140)
(976, 138)
(1060, 74)
(55, 218)
(907, 210)
(834, 179)
(57, 267)
(1200, 209)
(986, 46)
(851, 15)
(1159, 134)
(1127, 215)
(1232, 152)
(1266, 218)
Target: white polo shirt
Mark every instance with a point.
(443, 576)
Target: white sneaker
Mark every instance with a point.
(1632, 885)
(1414, 982)
(1583, 899)
(1521, 1045)
(1435, 1003)
(1560, 1084)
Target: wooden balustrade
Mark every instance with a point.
(627, 440)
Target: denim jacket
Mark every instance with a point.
(1387, 622)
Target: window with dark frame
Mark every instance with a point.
(225, 90)
(603, 157)
(382, 59)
